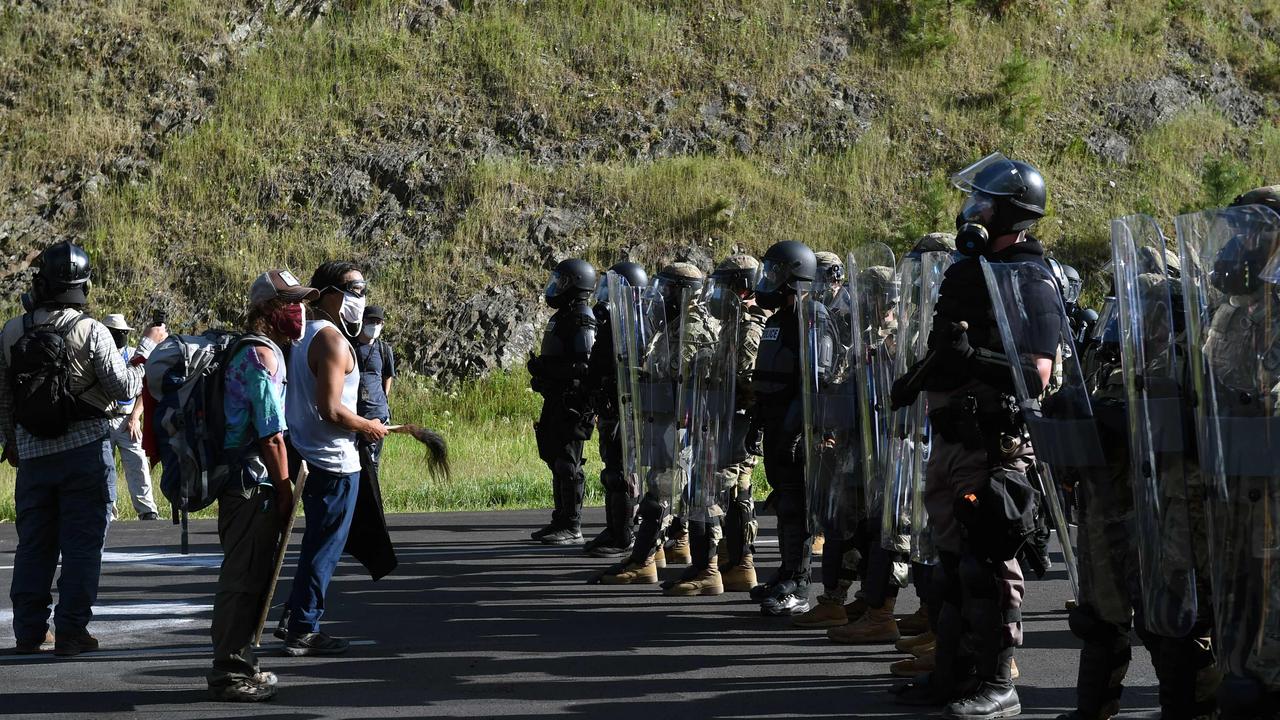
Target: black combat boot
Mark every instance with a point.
(995, 697)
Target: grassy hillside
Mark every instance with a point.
(458, 147)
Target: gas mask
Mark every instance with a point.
(974, 224)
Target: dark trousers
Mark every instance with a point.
(788, 499)
(328, 502)
(619, 497)
(249, 530)
(62, 502)
(560, 447)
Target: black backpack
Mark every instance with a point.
(40, 379)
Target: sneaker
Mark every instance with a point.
(243, 690)
(609, 550)
(629, 573)
(31, 648)
(70, 646)
(149, 516)
(316, 643)
(563, 536)
(537, 535)
(827, 613)
(604, 538)
(266, 678)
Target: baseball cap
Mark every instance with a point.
(280, 284)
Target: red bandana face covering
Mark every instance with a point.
(287, 320)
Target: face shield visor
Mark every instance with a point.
(773, 277)
(602, 290)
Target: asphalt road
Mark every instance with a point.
(478, 621)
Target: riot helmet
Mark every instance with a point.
(830, 276)
(632, 272)
(1074, 285)
(933, 242)
(572, 279)
(63, 277)
(1005, 196)
(672, 283)
(740, 271)
(786, 264)
(878, 289)
(1267, 196)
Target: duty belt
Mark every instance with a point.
(973, 424)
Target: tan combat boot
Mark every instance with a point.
(915, 623)
(913, 667)
(819, 541)
(875, 626)
(910, 643)
(740, 577)
(855, 609)
(706, 582)
(630, 573)
(678, 553)
(827, 613)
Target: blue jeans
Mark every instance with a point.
(328, 502)
(63, 502)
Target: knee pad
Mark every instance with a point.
(612, 480)
(650, 508)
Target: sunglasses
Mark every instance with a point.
(352, 287)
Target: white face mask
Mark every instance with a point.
(372, 330)
(352, 309)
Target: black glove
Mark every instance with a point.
(951, 338)
(534, 365)
(755, 440)
(902, 394)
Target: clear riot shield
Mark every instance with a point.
(708, 357)
(828, 389)
(1230, 276)
(655, 379)
(873, 295)
(905, 523)
(629, 343)
(1154, 402)
(1033, 323)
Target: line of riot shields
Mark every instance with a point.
(1169, 413)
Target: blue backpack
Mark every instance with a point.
(185, 375)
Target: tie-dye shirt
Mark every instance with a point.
(253, 403)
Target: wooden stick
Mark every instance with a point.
(280, 550)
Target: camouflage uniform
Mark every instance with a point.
(679, 342)
(1245, 526)
(740, 526)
